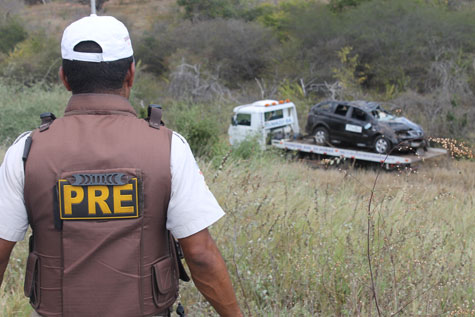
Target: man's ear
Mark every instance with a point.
(130, 76)
(63, 78)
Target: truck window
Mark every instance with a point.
(243, 119)
(341, 110)
(274, 115)
(359, 114)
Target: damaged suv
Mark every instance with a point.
(363, 124)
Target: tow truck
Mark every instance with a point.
(275, 123)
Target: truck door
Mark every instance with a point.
(241, 128)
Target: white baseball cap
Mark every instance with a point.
(108, 32)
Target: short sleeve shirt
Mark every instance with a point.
(192, 206)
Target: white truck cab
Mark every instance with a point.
(265, 120)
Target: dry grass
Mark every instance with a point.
(137, 15)
(53, 17)
(294, 239)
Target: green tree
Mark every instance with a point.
(35, 59)
(232, 49)
(209, 9)
(12, 32)
(340, 5)
(348, 75)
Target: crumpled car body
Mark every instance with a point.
(363, 124)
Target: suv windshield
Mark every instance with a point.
(381, 114)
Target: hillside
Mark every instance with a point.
(298, 240)
(55, 16)
(415, 56)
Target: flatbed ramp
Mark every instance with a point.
(307, 146)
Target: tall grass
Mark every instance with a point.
(20, 108)
(295, 238)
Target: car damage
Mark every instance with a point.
(363, 124)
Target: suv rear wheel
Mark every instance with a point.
(382, 145)
(321, 136)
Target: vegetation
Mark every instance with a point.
(21, 108)
(416, 55)
(208, 9)
(12, 32)
(198, 128)
(297, 240)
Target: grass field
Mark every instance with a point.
(295, 240)
(21, 108)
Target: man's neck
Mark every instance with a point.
(120, 92)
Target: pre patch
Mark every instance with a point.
(98, 196)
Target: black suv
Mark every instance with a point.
(363, 124)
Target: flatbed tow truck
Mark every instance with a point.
(275, 123)
(388, 161)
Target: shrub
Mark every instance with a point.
(233, 49)
(246, 149)
(99, 3)
(33, 2)
(310, 34)
(147, 89)
(281, 17)
(35, 59)
(398, 40)
(339, 5)
(12, 32)
(405, 38)
(209, 9)
(239, 50)
(20, 108)
(154, 47)
(201, 131)
(191, 82)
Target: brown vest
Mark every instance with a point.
(97, 187)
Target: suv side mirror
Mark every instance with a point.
(233, 121)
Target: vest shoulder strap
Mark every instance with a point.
(27, 148)
(155, 116)
(46, 119)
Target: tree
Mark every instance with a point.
(340, 5)
(209, 9)
(99, 3)
(12, 32)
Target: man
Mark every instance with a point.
(101, 188)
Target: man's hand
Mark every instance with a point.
(5, 250)
(209, 272)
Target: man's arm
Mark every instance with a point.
(209, 272)
(5, 250)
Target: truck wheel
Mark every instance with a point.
(382, 145)
(321, 136)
